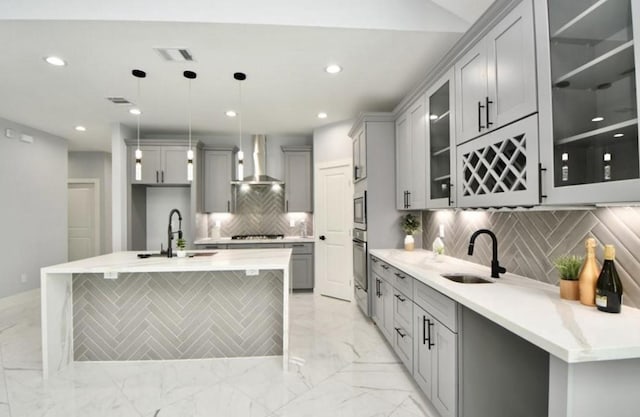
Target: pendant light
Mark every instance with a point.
(139, 74)
(240, 77)
(189, 75)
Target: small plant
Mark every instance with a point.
(410, 224)
(568, 266)
(181, 244)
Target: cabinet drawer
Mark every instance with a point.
(437, 304)
(402, 309)
(403, 345)
(300, 248)
(403, 282)
(379, 267)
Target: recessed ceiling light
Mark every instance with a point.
(597, 119)
(322, 115)
(618, 135)
(136, 111)
(81, 128)
(231, 113)
(55, 61)
(333, 69)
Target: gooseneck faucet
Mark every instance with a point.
(170, 232)
(496, 269)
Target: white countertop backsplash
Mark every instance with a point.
(531, 309)
(229, 241)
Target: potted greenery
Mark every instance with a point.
(569, 269)
(410, 224)
(181, 245)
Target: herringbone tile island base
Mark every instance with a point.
(177, 315)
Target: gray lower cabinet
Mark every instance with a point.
(302, 273)
(382, 311)
(435, 359)
(218, 170)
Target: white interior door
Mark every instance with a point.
(334, 219)
(83, 219)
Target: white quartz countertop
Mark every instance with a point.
(212, 260)
(531, 309)
(229, 241)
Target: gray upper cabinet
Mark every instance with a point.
(218, 171)
(590, 101)
(496, 79)
(298, 181)
(410, 157)
(441, 146)
(359, 143)
(161, 165)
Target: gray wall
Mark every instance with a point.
(332, 142)
(96, 165)
(33, 185)
(529, 241)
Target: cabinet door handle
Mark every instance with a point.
(449, 201)
(424, 330)
(399, 332)
(429, 324)
(355, 172)
(228, 206)
(399, 297)
(378, 288)
(480, 107)
(540, 171)
(487, 101)
(162, 176)
(408, 199)
(286, 205)
(399, 275)
(157, 177)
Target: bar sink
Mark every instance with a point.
(466, 279)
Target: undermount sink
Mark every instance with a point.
(466, 279)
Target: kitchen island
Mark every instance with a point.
(119, 307)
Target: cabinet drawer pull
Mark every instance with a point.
(487, 101)
(399, 332)
(399, 297)
(298, 245)
(480, 107)
(385, 267)
(399, 275)
(374, 260)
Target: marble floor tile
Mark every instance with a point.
(340, 365)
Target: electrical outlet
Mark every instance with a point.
(24, 278)
(292, 222)
(441, 231)
(110, 275)
(252, 272)
(10, 133)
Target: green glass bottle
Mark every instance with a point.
(609, 287)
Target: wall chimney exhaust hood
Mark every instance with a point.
(259, 176)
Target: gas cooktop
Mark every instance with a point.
(256, 237)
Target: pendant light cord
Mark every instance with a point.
(189, 114)
(139, 111)
(240, 114)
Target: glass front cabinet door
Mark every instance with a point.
(441, 146)
(589, 129)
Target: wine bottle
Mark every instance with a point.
(609, 287)
(589, 274)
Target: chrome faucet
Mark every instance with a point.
(170, 232)
(496, 269)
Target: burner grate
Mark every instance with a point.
(256, 237)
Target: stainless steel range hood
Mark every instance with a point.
(259, 176)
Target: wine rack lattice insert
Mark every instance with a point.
(497, 168)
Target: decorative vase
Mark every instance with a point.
(181, 253)
(409, 242)
(569, 289)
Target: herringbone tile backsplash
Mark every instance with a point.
(177, 315)
(260, 210)
(529, 241)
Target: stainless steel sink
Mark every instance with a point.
(466, 279)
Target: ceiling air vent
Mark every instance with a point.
(175, 54)
(118, 100)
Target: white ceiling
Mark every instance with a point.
(286, 85)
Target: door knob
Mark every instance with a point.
(323, 237)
